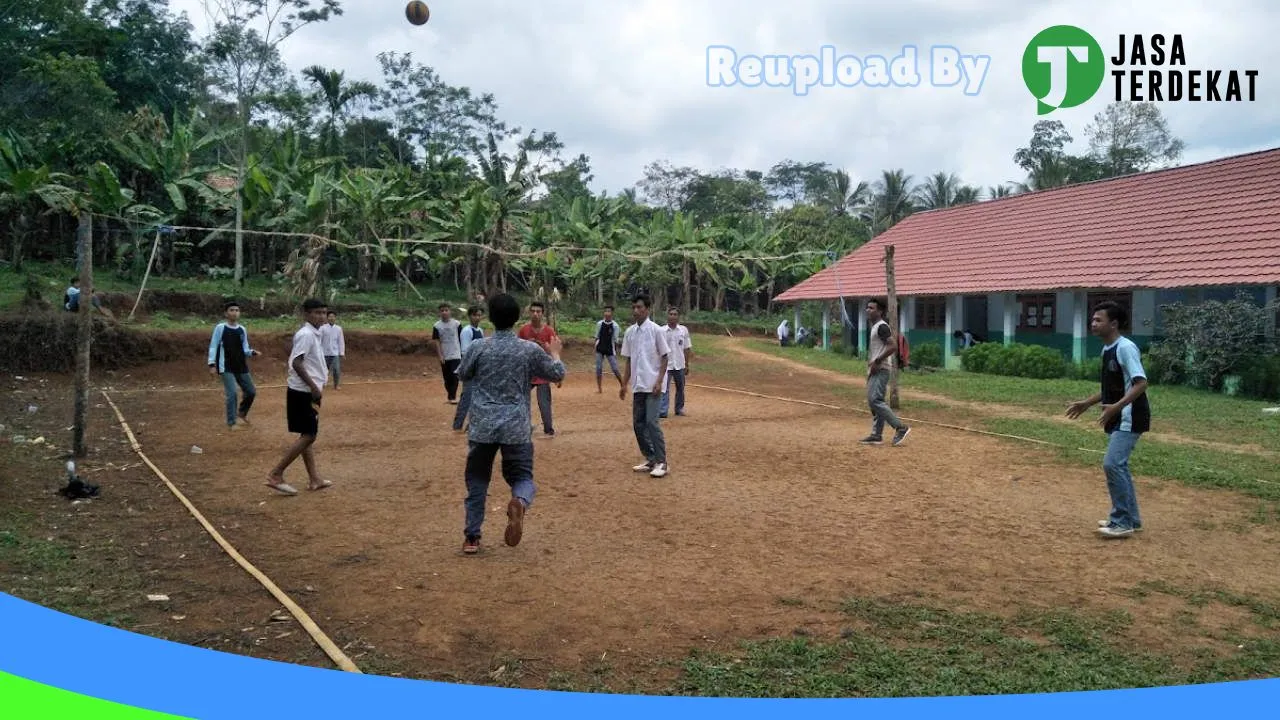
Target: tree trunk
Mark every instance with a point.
(686, 281)
(893, 323)
(84, 335)
(240, 173)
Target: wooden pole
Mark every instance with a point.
(84, 334)
(893, 322)
(142, 288)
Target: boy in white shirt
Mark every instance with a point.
(307, 377)
(334, 343)
(645, 348)
(681, 346)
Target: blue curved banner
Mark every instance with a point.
(42, 649)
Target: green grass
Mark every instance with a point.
(1189, 412)
(905, 650)
(1190, 465)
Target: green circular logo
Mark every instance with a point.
(1063, 66)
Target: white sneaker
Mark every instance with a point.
(1114, 532)
(643, 467)
(1104, 523)
(659, 470)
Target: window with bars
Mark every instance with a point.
(1037, 312)
(931, 313)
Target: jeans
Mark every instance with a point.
(877, 386)
(543, 392)
(644, 420)
(1124, 499)
(449, 369)
(245, 381)
(676, 376)
(335, 368)
(464, 406)
(517, 470)
(613, 364)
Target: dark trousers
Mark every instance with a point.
(644, 420)
(517, 470)
(449, 368)
(543, 393)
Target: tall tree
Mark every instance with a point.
(1129, 137)
(243, 52)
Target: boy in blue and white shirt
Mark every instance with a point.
(1126, 415)
(229, 354)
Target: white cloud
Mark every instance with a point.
(626, 82)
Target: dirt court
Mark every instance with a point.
(771, 516)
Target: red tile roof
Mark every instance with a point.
(1213, 223)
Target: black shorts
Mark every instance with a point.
(302, 412)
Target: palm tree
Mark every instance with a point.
(844, 196)
(892, 199)
(337, 95)
(995, 192)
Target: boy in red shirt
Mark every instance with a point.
(538, 331)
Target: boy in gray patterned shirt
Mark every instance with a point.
(499, 372)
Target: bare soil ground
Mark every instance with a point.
(771, 516)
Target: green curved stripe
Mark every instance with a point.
(23, 699)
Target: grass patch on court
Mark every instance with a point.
(1185, 411)
(912, 650)
(47, 571)
(1190, 465)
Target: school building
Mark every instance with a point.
(1029, 268)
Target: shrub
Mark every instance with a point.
(1210, 340)
(1017, 360)
(927, 355)
(1260, 377)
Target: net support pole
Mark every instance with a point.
(84, 335)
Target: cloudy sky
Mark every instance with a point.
(626, 82)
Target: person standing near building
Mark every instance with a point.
(881, 356)
(1126, 415)
(470, 334)
(447, 335)
(536, 330)
(681, 347)
(608, 338)
(645, 348)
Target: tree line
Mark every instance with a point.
(114, 107)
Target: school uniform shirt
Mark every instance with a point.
(332, 340)
(307, 344)
(645, 344)
(446, 333)
(679, 343)
(229, 349)
(541, 337)
(606, 336)
(1121, 366)
(470, 334)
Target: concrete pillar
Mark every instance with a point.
(826, 326)
(1079, 325)
(1009, 303)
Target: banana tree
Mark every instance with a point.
(25, 185)
(507, 183)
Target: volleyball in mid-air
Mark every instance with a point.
(417, 12)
